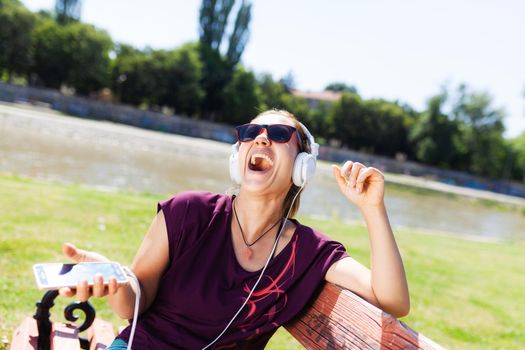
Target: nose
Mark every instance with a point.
(262, 139)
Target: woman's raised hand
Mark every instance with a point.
(363, 186)
(83, 291)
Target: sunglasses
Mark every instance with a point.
(280, 133)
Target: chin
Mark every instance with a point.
(265, 185)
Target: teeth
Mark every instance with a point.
(264, 156)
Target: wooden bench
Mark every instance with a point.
(337, 319)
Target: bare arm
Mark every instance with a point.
(150, 262)
(385, 285)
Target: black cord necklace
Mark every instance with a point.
(242, 232)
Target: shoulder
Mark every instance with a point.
(196, 200)
(313, 236)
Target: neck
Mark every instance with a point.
(257, 214)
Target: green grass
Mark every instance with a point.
(465, 294)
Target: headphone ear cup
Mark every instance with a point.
(235, 173)
(303, 169)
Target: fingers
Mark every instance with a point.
(72, 252)
(99, 290)
(356, 168)
(81, 255)
(341, 181)
(363, 176)
(66, 292)
(353, 175)
(83, 291)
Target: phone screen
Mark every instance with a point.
(67, 275)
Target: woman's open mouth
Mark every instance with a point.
(260, 162)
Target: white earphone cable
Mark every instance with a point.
(137, 303)
(260, 276)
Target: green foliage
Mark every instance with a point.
(517, 146)
(341, 87)
(346, 123)
(76, 54)
(240, 34)
(242, 97)
(52, 47)
(184, 92)
(217, 72)
(131, 77)
(387, 125)
(159, 77)
(16, 26)
(435, 136)
(213, 19)
(482, 128)
(90, 58)
(374, 126)
(218, 69)
(272, 92)
(5, 3)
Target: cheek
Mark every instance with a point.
(243, 150)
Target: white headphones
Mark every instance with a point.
(303, 169)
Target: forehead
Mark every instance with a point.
(270, 119)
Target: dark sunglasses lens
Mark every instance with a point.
(248, 132)
(280, 133)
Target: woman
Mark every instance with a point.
(207, 257)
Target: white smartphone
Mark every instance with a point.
(56, 275)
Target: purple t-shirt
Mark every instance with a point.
(204, 285)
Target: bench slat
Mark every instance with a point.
(25, 337)
(64, 337)
(339, 319)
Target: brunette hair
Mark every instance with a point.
(304, 147)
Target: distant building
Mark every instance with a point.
(314, 98)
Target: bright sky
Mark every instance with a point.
(401, 50)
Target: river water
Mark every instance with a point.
(43, 144)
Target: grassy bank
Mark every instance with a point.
(465, 294)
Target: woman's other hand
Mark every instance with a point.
(83, 291)
(363, 186)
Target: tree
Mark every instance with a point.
(52, 54)
(435, 137)
(240, 34)
(177, 79)
(216, 73)
(385, 127)
(76, 55)
(213, 18)
(482, 128)
(241, 98)
(518, 151)
(159, 78)
(90, 67)
(272, 92)
(341, 87)
(16, 27)
(217, 68)
(346, 123)
(68, 11)
(131, 80)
